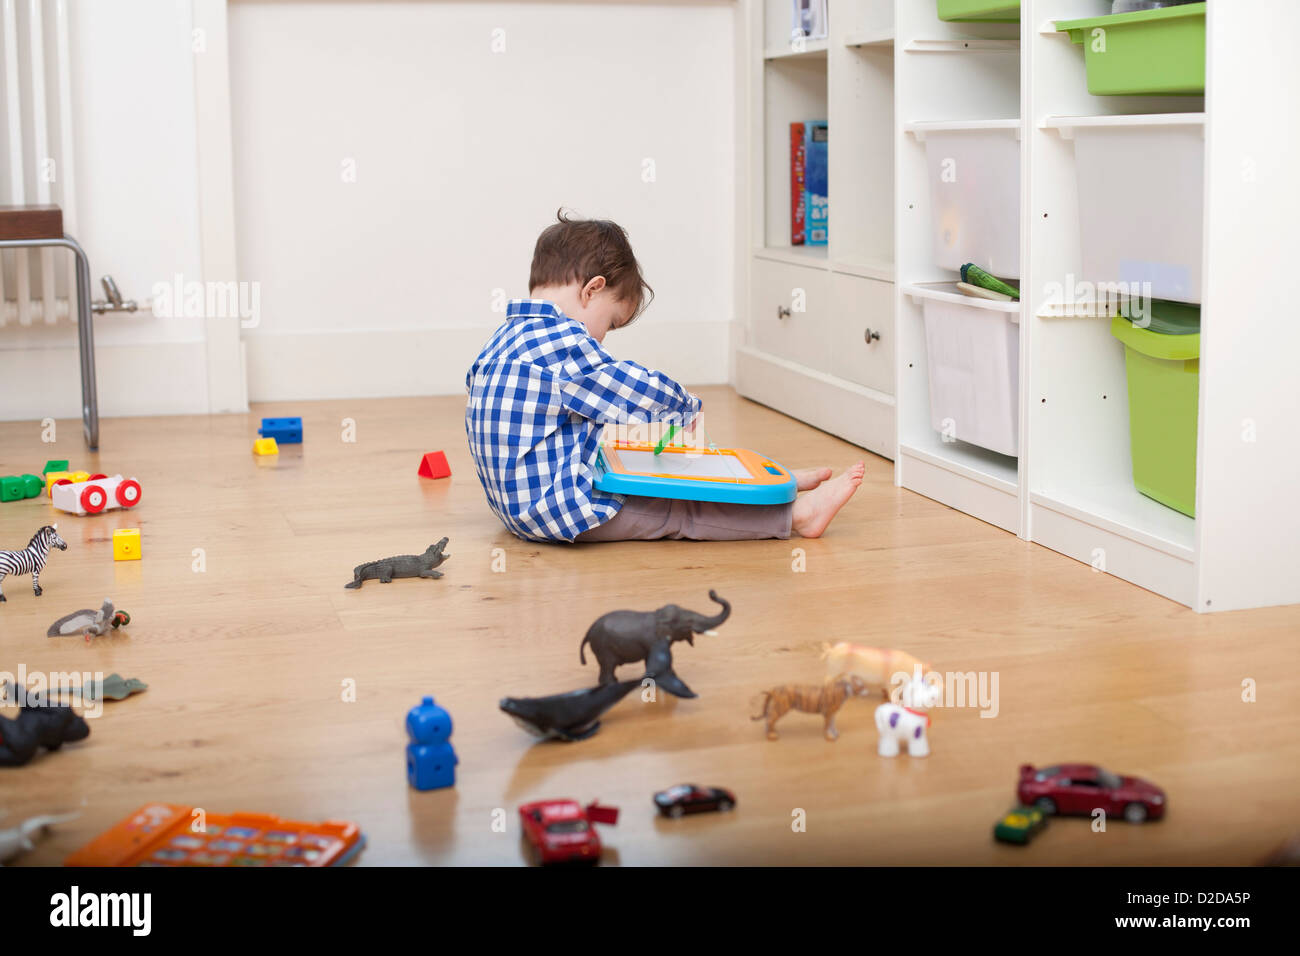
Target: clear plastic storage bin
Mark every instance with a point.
(973, 358)
(1140, 205)
(974, 178)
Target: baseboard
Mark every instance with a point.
(857, 414)
(162, 379)
(388, 363)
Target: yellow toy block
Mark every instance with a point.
(265, 446)
(126, 544)
(79, 476)
(52, 477)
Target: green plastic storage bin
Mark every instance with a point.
(1163, 384)
(979, 11)
(1159, 51)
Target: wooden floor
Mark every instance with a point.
(246, 661)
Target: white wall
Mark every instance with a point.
(386, 285)
(136, 215)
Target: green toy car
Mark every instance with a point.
(1019, 825)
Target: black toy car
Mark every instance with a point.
(688, 798)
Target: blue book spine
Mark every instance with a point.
(816, 182)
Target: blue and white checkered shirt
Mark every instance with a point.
(540, 394)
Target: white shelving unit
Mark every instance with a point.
(948, 77)
(1080, 495)
(892, 74)
(819, 340)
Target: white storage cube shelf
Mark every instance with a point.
(1141, 203)
(973, 361)
(974, 175)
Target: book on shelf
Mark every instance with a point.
(816, 183)
(810, 19)
(797, 203)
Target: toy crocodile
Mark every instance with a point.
(401, 566)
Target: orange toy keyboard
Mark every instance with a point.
(163, 834)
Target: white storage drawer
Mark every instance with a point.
(974, 176)
(1141, 205)
(790, 312)
(973, 361)
(863, 327)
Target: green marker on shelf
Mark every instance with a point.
(974, 275)
(663, 442)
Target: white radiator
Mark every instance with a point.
(36, 153)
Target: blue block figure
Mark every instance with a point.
(285, 431)
(430, 759)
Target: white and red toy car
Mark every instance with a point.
(97, 494)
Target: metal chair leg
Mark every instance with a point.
(85, 331)
(86, 336)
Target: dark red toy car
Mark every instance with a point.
(1072, 789)
(561, 831)
(688, 798)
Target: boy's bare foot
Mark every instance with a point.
(814, 511)
(809, 478)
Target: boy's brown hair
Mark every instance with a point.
(578, 250)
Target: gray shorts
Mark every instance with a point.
(647, 519)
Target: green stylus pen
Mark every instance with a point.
(663, 442)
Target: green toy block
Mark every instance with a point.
(54, 466)
(18, 487)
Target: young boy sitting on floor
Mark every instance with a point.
(542, 390)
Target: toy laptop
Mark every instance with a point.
(732, 475)
(162, 834)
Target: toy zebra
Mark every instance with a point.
(31, 560)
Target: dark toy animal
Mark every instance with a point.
(621, 637)
(571, 716)
(37, 727)
(401, 566)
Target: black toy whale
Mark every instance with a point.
(571, 716)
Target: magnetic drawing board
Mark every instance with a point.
(683, 466)
(730, 475)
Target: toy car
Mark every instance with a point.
(94, 495)
(1081, 788)
(561, 831)
(1019, 825)
(687, 798)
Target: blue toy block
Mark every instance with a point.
(430, 759)
(286, 431)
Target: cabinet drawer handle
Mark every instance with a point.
(783, 312)
(869, 336)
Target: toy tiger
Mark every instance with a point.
(825, 699)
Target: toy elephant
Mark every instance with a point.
(621, 637)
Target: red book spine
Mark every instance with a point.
(797, 205)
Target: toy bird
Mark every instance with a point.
(19, 839)
(89, 621)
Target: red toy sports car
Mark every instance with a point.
(1074, 789)
(561, 831)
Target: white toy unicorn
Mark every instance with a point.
(908, 720)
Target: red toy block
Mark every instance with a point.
(434, 465)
